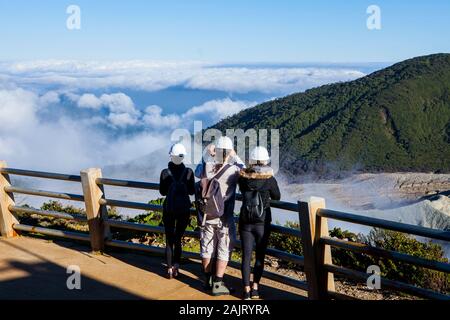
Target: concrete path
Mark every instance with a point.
(32, 268)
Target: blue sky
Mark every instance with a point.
(224, 31)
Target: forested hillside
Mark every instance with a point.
(396, 119)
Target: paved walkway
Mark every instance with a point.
(33, 268)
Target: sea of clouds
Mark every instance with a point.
(68, 115)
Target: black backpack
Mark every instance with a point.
(177, 201)
(253, 210)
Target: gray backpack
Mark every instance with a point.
(209, 201)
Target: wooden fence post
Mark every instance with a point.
(95, 212)
(322, 252)
(316, 255)
(307, 233)
(7, 218)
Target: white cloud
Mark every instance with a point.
(17, 109)
(92, 121)
(153, 76)
(126, 148)
(153, 117)
(89, 100)
(64, 144)
(122, 112)
(48, 98)
(27, 141)
(121, 120)
(218, 109)
(118, 102)
(210, 112)
(268, 80)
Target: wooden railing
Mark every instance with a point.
(313, 220)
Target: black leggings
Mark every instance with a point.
(253, 234)
(174, 229)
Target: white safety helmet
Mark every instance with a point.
(224, 143)
(259, 154)
(178, 150)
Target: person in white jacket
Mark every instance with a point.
(217, 236)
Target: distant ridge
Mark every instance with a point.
(395, 119)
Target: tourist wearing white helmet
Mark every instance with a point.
(259, 154)
(224, 143)
(258, 186)
(218, 235)
(177, 153)
(176, 183)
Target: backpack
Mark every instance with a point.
(253, 210)
(177, 200)
(209, 201)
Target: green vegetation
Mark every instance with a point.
(287, 243)
(59, 224)
(400, 271)
(388, 240)
(385, 239)
(396, 119)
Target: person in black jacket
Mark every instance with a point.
(177, 182)
(258, 178)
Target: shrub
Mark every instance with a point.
(55, 223)
(287, 243)
(348, 258)
(153, 218)
(390, 269)
(400, 242)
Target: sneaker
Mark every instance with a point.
(247, 296)
(220, 289)
(254, 294)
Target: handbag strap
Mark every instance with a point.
(222, 171)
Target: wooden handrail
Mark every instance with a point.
(128, 183)
(288, 206)
(41, 174)
(379, 252)
(157, 207)
(386, 224)
(143, 227)
(131, 205)
(43, 193)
